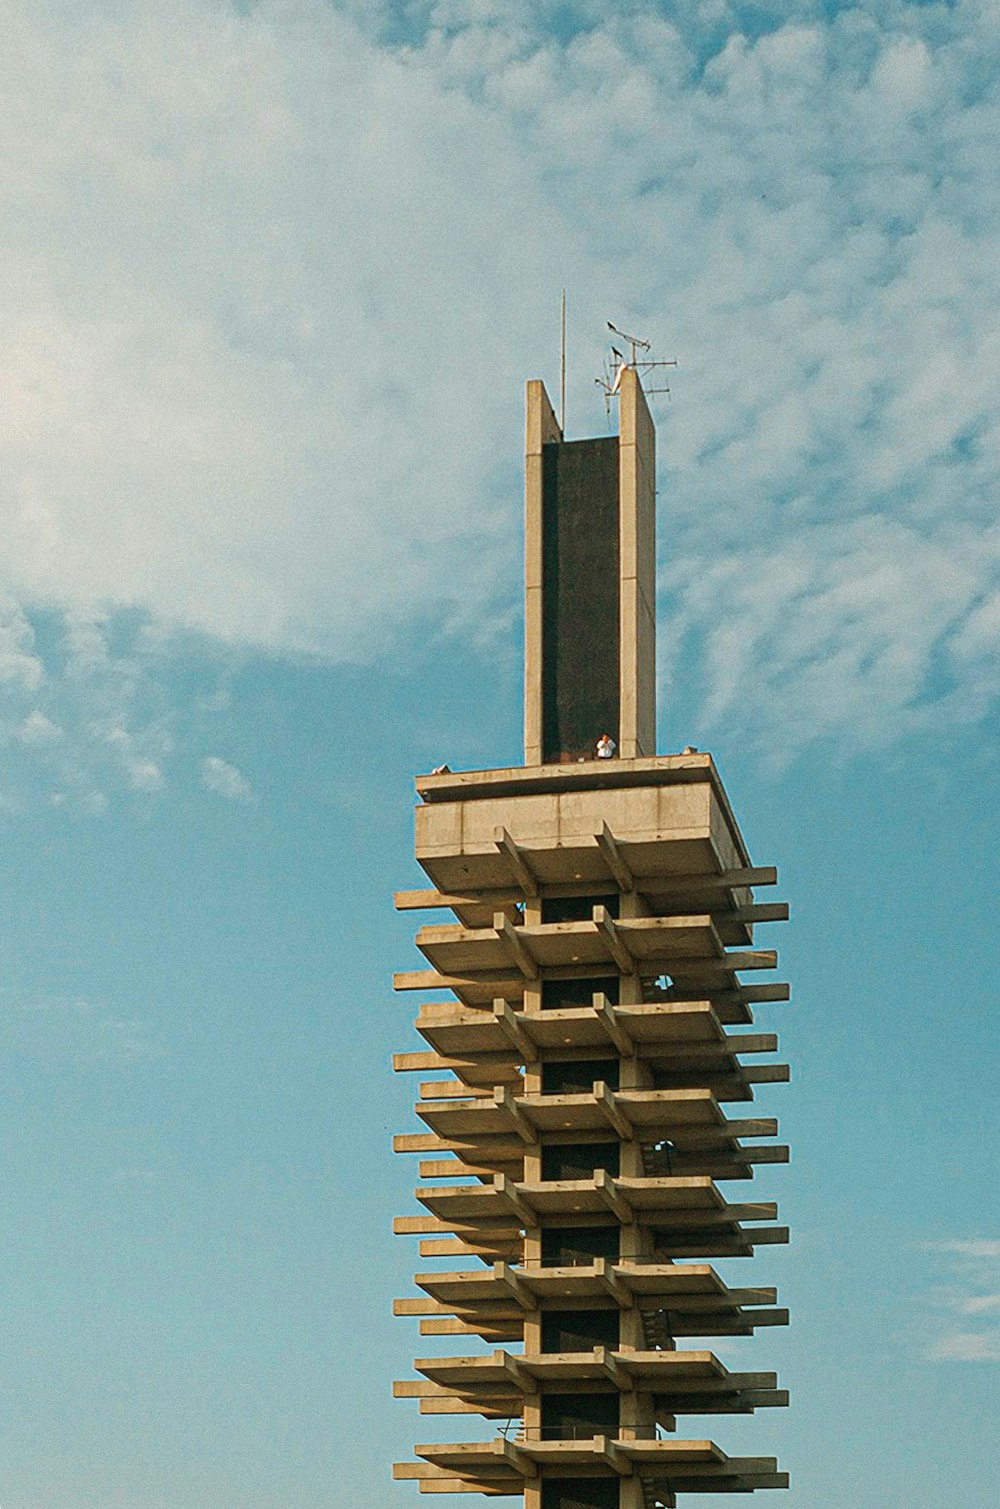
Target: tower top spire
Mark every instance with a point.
(590, 582)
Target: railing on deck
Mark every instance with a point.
(513, 1430)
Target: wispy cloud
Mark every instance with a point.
(262, 352)
(966, 1306)
(94, 716)
(39, 730)
(73, 1031)
(20, 668)
(967, 1346)
(226, 780)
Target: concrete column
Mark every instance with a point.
(541, 429)
(632, 1496)
(637, 522)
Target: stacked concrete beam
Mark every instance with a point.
(583, 1110)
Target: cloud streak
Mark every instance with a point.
(967, 1305)
(226, 780)
(97, 716)
(87, 1034)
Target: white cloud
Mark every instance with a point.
(94, 715)
(216, 373)
(38, 729)
(982, 1304)
(20, 667)
(972, 1251)
(226, 780)
(969, 1296)
(141, 773)
(145, 775)
(967, 1346)
(274, 279)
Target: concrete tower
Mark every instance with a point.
(581, 1041)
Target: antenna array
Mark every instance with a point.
(638, 359)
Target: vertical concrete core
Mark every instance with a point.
(590, 584)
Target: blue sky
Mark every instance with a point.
(275, 274)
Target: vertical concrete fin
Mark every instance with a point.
(637, 556)
(541, 429)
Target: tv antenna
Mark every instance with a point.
(638, 360)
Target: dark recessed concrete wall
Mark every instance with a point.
(580, 597)
(571, 1246)
(579, 1160)
(578, 908)
(580, 1493)
(581, 1415)
(580, 1330)
(579, 1077)
(557, 993)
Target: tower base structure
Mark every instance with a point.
(589, 1037)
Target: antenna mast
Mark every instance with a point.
(562, 371)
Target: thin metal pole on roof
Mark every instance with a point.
(562, 370)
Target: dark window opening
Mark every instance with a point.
(579, 1416)
(579, 1246)
(562, 1078)
(658, 1159)
(556, 993)
(577, 908)
(580, 1493)
(579, 1160)
(580, 1330)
